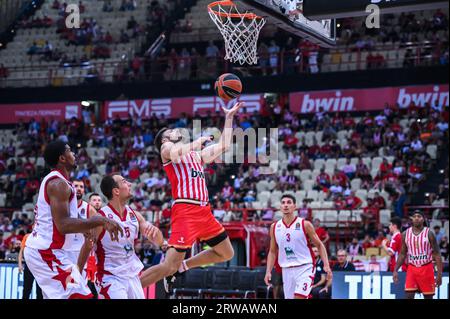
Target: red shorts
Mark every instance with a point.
(190, 223)
(420, 279)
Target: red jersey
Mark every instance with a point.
(419, 247)
(394, 247)
(187, 178)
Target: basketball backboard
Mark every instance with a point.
(288, 15)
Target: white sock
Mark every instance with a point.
(183, 267)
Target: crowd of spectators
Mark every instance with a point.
(127, 148)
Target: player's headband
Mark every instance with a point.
(417, 212)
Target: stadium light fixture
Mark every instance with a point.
(85, 103)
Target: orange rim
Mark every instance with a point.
(230, 15)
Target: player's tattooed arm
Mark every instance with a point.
(212, 152)
(59, 196)
(436, 256)
(150, 231)
(401, 258)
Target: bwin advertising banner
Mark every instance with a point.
(376, 285)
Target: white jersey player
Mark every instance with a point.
(290, 239)
(118, 266)
(84, 211)
(56, 223)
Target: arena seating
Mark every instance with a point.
(33, 71)
(214, 282)
(356, 49)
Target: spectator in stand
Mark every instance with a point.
(354, 248)
(319, 289)
(323, 181)
(274, 51)
(367, 243)
(438, 233)
(322, 233)
(340, 178)
(212, 51)
(342, 263)
(349, 169)
(380, 238)
(124, 37)
(304, 211)
(378, 201)
(219, 212)
(352, 201)
(81, 7)
(336, 189)
(314, 151)
(227, 191)
(374, 264)
(107, 6)
(131, 24)
(56, 5)
(328, 133)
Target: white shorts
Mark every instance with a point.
(73, 257)
(56, 274)
(113, 287)
(297, 281)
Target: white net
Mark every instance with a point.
(239, 30)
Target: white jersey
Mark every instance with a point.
(82, 213)
(293, 245)
(45, 235)
(118, 258)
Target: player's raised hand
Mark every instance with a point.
(113, 228)
(233, 110)
(268, 279)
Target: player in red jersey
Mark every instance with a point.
(395, 244)
(419, 246)
(192, 218)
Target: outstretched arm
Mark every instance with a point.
(436, 256)
(174, 151)
(271, 256)
(59, 195)
(310, 231)
(210, 153)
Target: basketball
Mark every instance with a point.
(228, 86)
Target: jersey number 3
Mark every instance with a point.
(288, 237)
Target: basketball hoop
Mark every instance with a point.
(239, 30)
